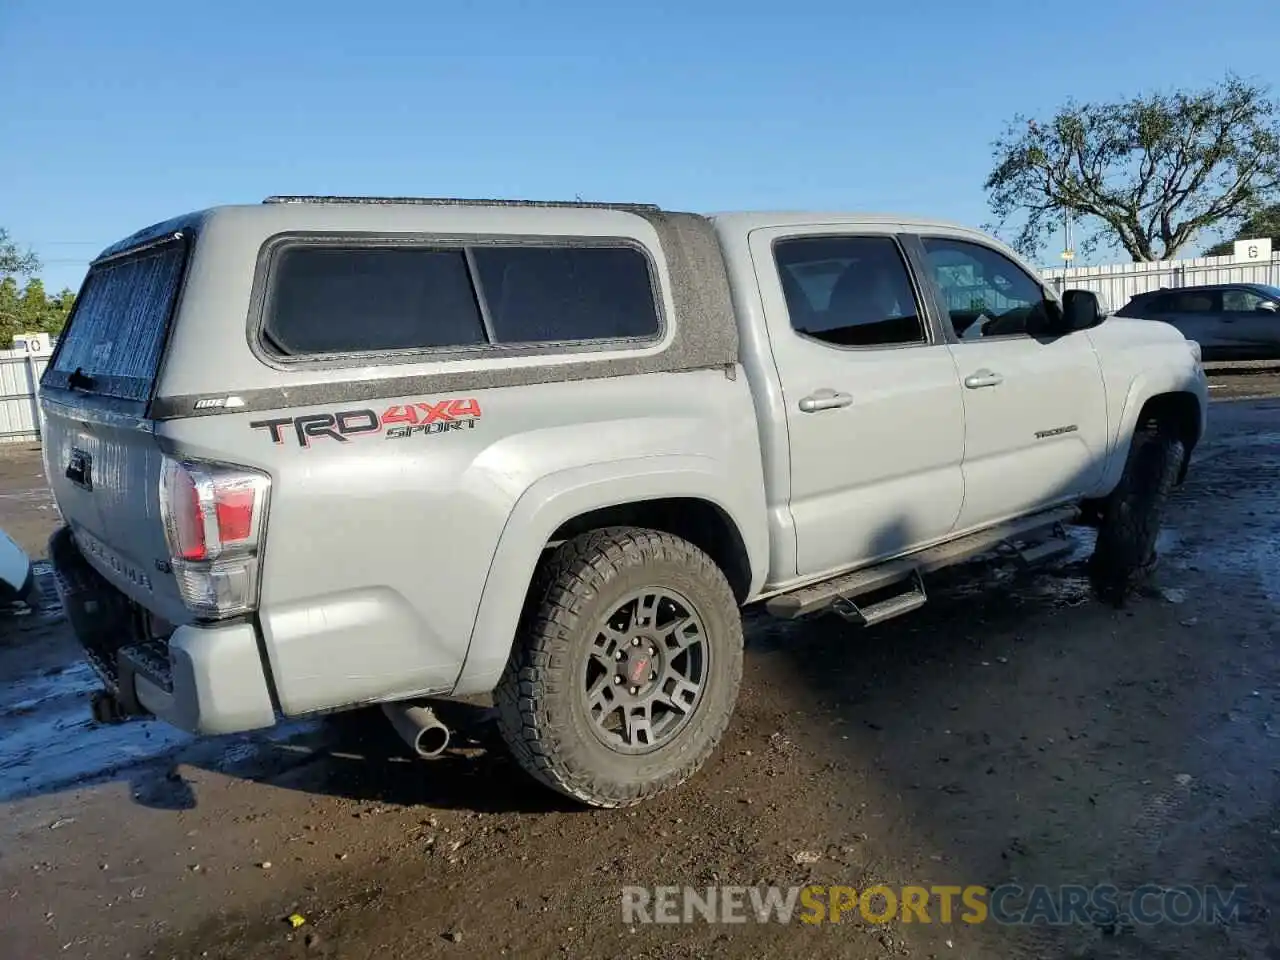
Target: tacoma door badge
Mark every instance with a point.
(1056, 431)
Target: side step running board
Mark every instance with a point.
(1055, 548)
(815, 597)
(912, 598)
(820, 596)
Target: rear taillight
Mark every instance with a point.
(214, 517)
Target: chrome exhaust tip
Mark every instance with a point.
(419, 727)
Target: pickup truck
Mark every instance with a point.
(323, 453)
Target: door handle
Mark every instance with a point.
(825, 399)
(983, 378)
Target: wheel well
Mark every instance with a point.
(1178, 413)
(700, 522)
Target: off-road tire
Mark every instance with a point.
(540, 715)
(1124, 556)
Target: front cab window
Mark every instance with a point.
(1246, 301)
(986, 294)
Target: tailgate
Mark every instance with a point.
(101, 455)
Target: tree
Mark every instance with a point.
(10, 311)
(1264, 223)
(13, 261)
(28, 309)
(33, 307)
(1149, 173)
(33, 311)
(60, 305)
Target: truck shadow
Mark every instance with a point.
(980, 739)
(357, 756)
(51, 744)
(363, 760)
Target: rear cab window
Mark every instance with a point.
(116, 334)
(332, 298)
(850, 291)
(1188, 301)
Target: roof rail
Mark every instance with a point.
(458, 202)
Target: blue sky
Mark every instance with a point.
(120, 114)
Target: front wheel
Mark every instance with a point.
(1129, 519)
(625, 673)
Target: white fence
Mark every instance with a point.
(20, 372)
(1118, 283)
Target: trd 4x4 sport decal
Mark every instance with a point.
(395, 423)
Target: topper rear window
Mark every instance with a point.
(116, 332)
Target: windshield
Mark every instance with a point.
(1268, 291)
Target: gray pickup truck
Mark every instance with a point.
(324, 453)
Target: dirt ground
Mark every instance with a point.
(1013, 730)
(27, 510)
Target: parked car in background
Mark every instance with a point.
(1230, 321)
(17, 579)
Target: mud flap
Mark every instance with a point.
(126, 691)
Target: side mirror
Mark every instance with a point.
(1082, 309)
(1268, 306)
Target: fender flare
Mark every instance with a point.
(1142, 388)
(558, 497)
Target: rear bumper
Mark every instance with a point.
(206, 679)
(217, 683)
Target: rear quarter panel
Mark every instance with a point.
(382, 551)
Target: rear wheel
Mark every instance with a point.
(627, 667)
(1129, 519)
